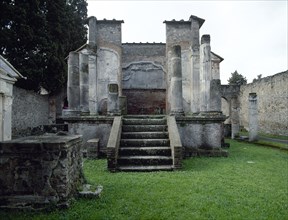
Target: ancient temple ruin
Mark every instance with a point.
(141, 84)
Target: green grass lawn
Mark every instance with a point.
(252, 183)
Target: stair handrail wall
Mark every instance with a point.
(175, 142)
(114, 143)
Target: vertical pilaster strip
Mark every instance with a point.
(84, 83)
(73, 88)
(92, 65)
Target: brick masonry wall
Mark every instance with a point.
(29, 110)
(272, 97)
(145, 101)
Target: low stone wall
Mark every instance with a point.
(39, 171)
(29, 110)
(91, 127)
(272, 98)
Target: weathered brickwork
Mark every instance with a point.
(272, 98)
(141, 102)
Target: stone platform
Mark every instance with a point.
(40, 171)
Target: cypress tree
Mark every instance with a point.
(37, 35)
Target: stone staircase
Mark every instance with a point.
(144, 144)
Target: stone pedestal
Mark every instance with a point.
(113, 100)
(201, 134)
(253, 117)
(40, 171)
(176, 82)
(93, 150)
(205, 73)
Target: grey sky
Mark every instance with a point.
(251, 36)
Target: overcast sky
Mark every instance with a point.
(251, 36)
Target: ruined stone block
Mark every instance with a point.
(39, 171)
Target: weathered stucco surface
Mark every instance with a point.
(29, 110)
(200, 133)
(272, 98)
(91, 128)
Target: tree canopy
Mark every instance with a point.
(37, 35)
(237, 78)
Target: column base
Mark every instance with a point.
(177, 113)
(69, 112)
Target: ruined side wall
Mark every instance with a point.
(29, 110)
(272, 97)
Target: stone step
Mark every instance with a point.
(146, 168)
(143, 128)
(144, 142)
(145, 151)
(144, 121)
(144, 135)
(144, 116)
(144, 160)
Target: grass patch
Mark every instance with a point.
(250, 184)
